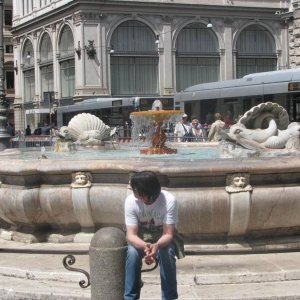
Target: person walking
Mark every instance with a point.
(28, 130)
(183, 130)
(10, 129)
(197, 132)
(214, 134)
(151, 216)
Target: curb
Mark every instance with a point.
(182, 279)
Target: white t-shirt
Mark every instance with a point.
(163, 211)
(181, 129)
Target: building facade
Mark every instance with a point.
(67, 51)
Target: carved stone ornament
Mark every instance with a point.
(16, 41)
(167, 19)
(77, 18)
(102, 16)
(238, 182)
(228, 21)
(90, 49)
(53, 27)
(81, 180)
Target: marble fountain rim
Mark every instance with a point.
(264, 165)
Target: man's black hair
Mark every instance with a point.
(146, 183)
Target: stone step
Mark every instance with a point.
(31, 289)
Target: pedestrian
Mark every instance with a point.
(10, 129)
(216, 128)
(151, 215)
(28, 130)
(183, 130)
(53, 131)
(197, 132)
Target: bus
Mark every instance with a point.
(114, 112)
(232, 98)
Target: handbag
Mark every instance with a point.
(187, 137)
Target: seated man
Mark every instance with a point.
(151, 216)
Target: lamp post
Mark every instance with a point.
(4, 135)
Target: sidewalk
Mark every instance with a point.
(231, 276)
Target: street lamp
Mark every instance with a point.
(4, 135)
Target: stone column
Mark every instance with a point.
(105, 57)
(36, 61)
(107, 264)
(4, 136)
(167, 54)
(25, 8)
(55, 63)
(17, 7)
(79, 52)
(228, 55)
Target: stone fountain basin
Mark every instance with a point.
(38, 203)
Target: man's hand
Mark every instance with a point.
(149, 260)
(150, 250)
(150, 253)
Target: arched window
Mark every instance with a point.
(256, 51)
(46, 50)
(197, 56)
(67, 63)
(46, 67)
(134, 62)
(28, 72)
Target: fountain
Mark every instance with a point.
(85, 130)
(153, 121)
(65, 199)
(264, 130)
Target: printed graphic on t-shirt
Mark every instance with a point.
(148, 224)
(150, 217)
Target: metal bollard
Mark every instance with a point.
(107, 264)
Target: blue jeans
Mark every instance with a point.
(167, 264)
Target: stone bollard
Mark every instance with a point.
(107, 264)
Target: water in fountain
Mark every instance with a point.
(185, 152)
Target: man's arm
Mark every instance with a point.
(167, 236)
(134, 239)
(165, 240)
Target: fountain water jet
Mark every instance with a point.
(153, 120)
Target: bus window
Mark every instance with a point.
(208, 108)
(113, 112)
(146, 103)
(295, 108)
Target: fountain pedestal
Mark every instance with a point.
(158, 142)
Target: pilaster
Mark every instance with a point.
(168, 88)
(227, 55)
